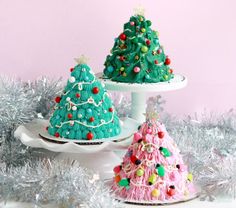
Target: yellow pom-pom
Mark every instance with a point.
(143, 30)
(190, 177)
(122, 68)
(165, 77)
(155, 193)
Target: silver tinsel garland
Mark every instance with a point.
(207, 141)
(20, 103)
(62, 184)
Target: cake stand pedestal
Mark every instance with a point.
(139, 92)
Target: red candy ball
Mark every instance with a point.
(122, 36)
(91, 119)
(56, 134)
(148, 42)
(69, 115)
(110, 109)
(57, 99)
(122, 58)
(167, 61)
(117, 169)
(77, 95)
(71, 69)
(171, 71)
(171, 192)
(47, 128)
(95, 90)
(156, 61)
(89, 136)
(133, 158)
(161, 134)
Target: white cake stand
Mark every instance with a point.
(139, 92)
(99, 157)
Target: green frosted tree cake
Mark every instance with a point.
(137, 56)
(84, 111)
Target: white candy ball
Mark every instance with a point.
(71, 79)
(68, 99)
(74, 108)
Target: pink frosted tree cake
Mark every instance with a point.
(153, 168)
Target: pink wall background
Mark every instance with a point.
(42, 38)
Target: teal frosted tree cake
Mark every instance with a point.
(84, 110)
(137, 56)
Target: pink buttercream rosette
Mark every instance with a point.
(153, 168)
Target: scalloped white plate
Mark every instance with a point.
(29, 135)
(124, 134)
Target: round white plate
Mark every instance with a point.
(178, 82)
(29, 135)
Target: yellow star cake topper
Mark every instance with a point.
(82, 59)
(139, 10)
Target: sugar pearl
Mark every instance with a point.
(74, 108)
(71, 79)
(68, 99)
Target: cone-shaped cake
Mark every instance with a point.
(137, 55)
(84, 111)
(153, 169)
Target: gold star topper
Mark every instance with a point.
(82, 59)
(139, 10)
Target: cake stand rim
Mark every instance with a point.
(173, 84)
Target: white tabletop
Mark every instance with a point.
(191, 204)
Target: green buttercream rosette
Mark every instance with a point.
(137, 56)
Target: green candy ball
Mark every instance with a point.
(149, 23)
(135, 40)
(144, 49)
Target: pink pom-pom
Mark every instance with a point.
(132, 23)
(174, 176)
(182, 167)
(137, 137)
(149, 131)
(136, 69)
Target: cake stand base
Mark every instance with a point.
(100, 162)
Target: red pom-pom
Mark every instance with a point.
(133, 158)
(148, 42)
(57, 99)
(56, 134)
(91, 119)
(171, 191)
(95, 90)
(77, 95)
(69, 115)
(122, 58)
(161, 134)
(89, 136)
(71, 69)
(156, 61)
(117, 169)
(167, 61)
(110, 109)
(122, 36)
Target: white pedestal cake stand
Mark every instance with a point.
(98, 155)
(139, 91)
